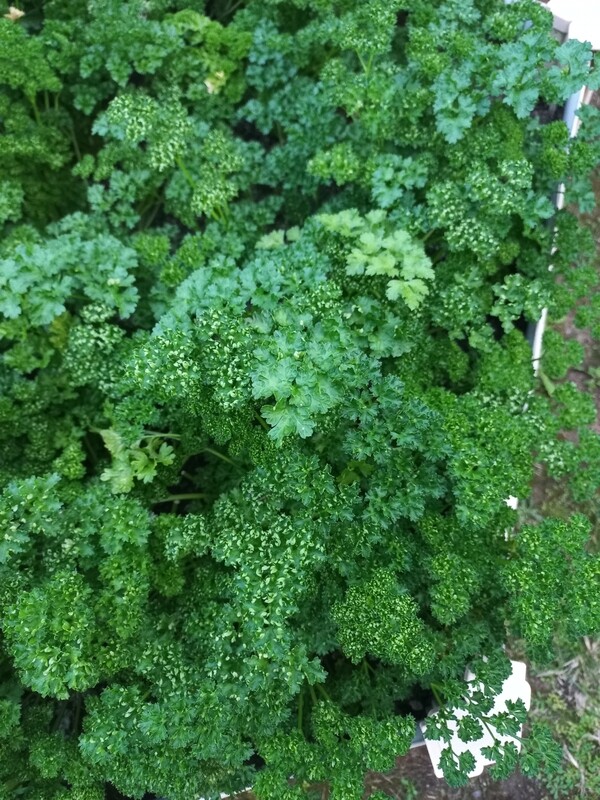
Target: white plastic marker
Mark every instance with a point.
(515, 688)
(582, 18)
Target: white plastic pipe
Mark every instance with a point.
(572, 122)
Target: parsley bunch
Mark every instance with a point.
(265, 269)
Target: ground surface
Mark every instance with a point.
(416, 768)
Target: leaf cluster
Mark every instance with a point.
(265, 269)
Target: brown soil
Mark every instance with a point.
(416, 767)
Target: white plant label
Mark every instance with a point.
(583, 16)
(515, 688)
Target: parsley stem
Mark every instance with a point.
(321, 689)
(220, 214)
(215, 453)
(160, 433)
(261, 420)
(36, 112)
(176, 497)
(180, 163)
(493, 735)
(234, 7)
(221, 456)
(154, 212)
(365, 65)
(226, 12)
(438, 698)
(9, 785)
(489, 730)
(75, 142)
(300, 709)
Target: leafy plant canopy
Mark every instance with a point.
(265, 268)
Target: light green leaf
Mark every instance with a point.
(370, 243)
(271, 241)
(382, 264)
(394, 289)
(356, 262)
(112, 441)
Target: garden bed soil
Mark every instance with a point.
(416, 768)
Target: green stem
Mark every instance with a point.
(180, 163)
(150, 201)
(261, 420)
(8, 786)
(365, 65)
(234, 7)
(493, 735)
(313, 696)
(176, 497)
(36, 112)
(300, 709)
(438, 698)
(220, 214)
(160, 433)
(75, 143)
(46, 100)
(490, 731)
(221, 456)
(153, 214)
(214, 453)
(321, 689)
(362, 63)
(223, 10)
